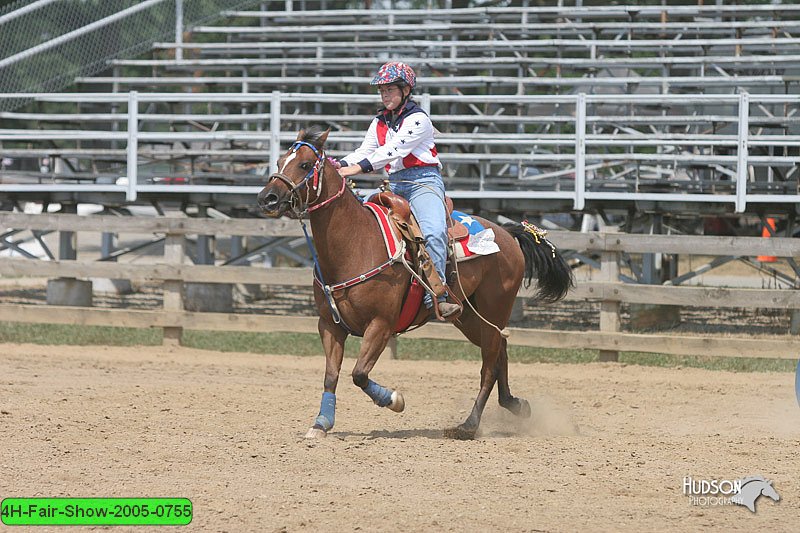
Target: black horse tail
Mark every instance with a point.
(543, 261)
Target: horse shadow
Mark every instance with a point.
(434, 434)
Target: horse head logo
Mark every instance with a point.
(752, 488)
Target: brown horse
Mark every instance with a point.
(348, 245)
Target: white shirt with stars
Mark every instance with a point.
(411, 144)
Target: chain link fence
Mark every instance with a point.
(46, 44)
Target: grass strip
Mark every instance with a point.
(309, 344)
(19, 332)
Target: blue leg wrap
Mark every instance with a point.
(380, 395)
(327, 411)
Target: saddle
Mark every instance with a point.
(456, 231)
(406, 227)
(401, 211)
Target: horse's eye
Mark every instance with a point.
(305, 166)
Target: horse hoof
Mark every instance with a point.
(398, 403)
(459, 433)
(316, 433)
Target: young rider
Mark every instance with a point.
(400, 140)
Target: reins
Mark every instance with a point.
(308, 206)
(329, 200)
(503, 332)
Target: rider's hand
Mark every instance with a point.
(335, 162)
(351, 170)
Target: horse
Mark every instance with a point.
(752, 488)
(349, 244)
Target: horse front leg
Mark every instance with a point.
(333, 337)
(375, 338)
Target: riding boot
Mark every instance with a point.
(449, 311)
(431, 275)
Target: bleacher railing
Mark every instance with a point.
(577, 146)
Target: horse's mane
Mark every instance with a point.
(313, 135)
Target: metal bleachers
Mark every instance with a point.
(690, 109)
(508, 50)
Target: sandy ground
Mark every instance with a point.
(606, 449)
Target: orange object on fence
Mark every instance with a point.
(766, 233)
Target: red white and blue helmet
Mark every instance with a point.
(395, 72)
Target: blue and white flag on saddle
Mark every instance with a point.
(481, 240)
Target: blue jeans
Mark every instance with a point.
(426, 196)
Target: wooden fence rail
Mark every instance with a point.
(608, 290)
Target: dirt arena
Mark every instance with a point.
(606, 449)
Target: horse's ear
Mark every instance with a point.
(320, 142)
(301, 135)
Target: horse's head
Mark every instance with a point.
(298, 181)
(751, 489)
(769, 491)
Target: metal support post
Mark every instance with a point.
(205, 250)
(237, 246)
(206, 244)
(133, 145)
(179, 29)
(741, 163)
(274, 130)
(425, 103)
(580, 152)
(107, 245)
(67, 240)
(651, 262)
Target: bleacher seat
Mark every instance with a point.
(492, 77)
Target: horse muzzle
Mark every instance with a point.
(271, 203)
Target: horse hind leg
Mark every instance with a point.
(518, 406)
(490, 341)
(500, 310)
(495, 361)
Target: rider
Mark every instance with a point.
(400, 139)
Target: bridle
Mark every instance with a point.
(314, 176)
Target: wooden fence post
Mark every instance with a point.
(609, 309)
(173, 289)
(794, 324)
